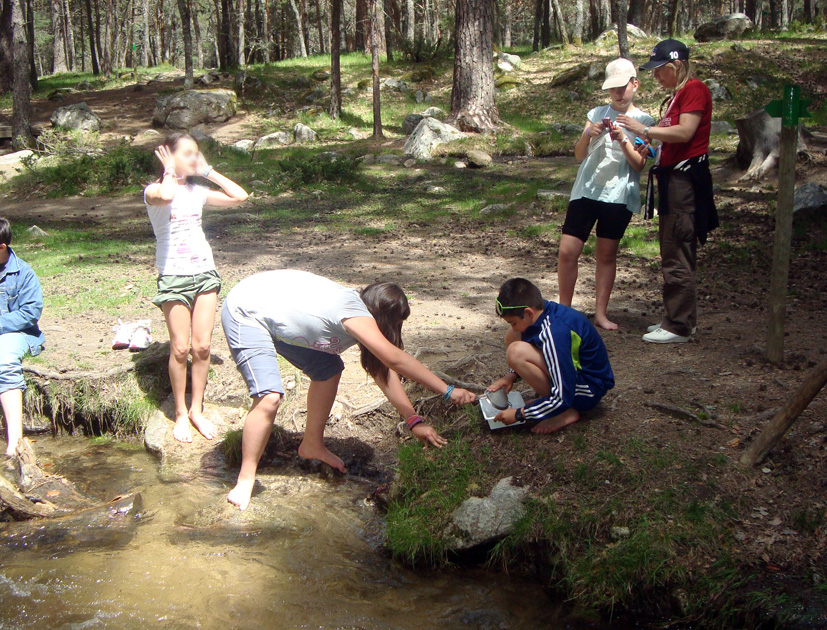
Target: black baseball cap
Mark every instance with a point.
(666, 51)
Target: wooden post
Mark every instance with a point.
(783, 420)
(789, 109)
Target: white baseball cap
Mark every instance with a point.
(618, 73)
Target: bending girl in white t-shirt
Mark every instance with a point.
(188, 283)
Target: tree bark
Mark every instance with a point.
(374, 56)
(387, 10)
(240, 56)
(22, 86)
(335, 109)
(6, 47)
(507, 23)
(299, 28)
(68, 34)
(622, 8)
(361, 27)
(472, 93)
(561, 21)
(545, 26)
(320, 26)
(813, 383)
(673, 17)
(538, 18)
(29, 30)
(577, 34)
(186, 32)
(198, 55)
(93, 53)
(808, 11)
(145, 34)
(410, 21)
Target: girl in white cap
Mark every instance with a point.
(607, 188)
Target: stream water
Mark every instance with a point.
(310, 558)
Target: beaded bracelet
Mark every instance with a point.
(413, 421)
(447, 395)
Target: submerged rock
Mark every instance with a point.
(479, 521)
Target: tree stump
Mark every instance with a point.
(759, 144)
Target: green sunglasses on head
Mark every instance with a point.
(501, 308)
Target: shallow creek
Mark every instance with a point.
(306, 555)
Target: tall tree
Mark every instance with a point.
(186, 32)
(410, 21)
(29, 29)
(93, 54)
(242, 60)
(198, 53)
(387, 10)
(561, 21)
(545, 24)
(622, 9)
(577, 33)
(320, 26)
(6, 47)
(68, 34)
(299, 27)
(22, 89)
(362, 26)
(335, 109)
(507, 23)
(538, 18)
(58, 43)
(472, 93)
(374, 60)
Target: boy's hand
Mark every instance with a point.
(462, 396)
(596, 129)
(509, 416)
(426, 434)
(506, 382)
(617, 134)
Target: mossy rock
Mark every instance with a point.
(580, 71)
(422, 74)
(320, 75)
(507, 82)
(364, 84)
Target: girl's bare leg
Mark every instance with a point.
(12, 402)
(203, 321)
(604, 279)
(258, 425)
(570, 250)
(320, 398)
(529, 363)
(178, 317)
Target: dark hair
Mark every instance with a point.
(387, 303)
(5, 231)
(171, 142)
(522, 293)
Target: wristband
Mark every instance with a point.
(413, 421)
(207, 172)
(519, 416)
(646, 132)
(515, 374)
(447, 395)
(171, 172)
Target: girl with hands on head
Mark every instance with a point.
(309, 321)
(188, 283)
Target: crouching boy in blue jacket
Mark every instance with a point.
(21, 303)
(557, 351)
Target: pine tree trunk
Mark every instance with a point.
(6, 47)
(545, 26)
(472, 93)
(299, 28)
(784, 9)
(186, 32)
(335, 109)
(68, 35)
(268, 36)
(198, 60)
(507, 24)
(374, 59)
(320, 26)
(622, 8)
(145, 35)
(28, 17)
(561, 21)
(362, 26)
(22, 86)
(410, 21)
(577, 34)
(808, 11)
(673, 17)
(242, 60)
(387, 10)
(538, 18)
(93, 53)
(58, 45)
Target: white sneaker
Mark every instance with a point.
(659, 335)
(654, 327)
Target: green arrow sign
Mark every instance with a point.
(791, 108)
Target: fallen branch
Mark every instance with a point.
(369, 407)
(458, 383)
(20, 507)
(784, 419)
(683, 414)
(148, 357)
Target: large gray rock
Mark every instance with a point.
(610, 34)
(434, 112)
(428, 135)
(504, 66)
(183, 110)
(155, 433)
(483, 521)
(394, 84)
(388, 158)
(514, 60)
(719, 92)
(810, 196)
(76, 117)
(276, 139)
(722, 126)
(729, 26)
(567, 129)
(303, 133)
(201, 137)
(478, 159)
(411, 122)
(243, 145)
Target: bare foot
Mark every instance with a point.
(182, 432)
(605, 323)
(240, 495)
(204, 425)
(550, 425)
(321, 453)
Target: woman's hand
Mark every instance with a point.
(201, 166)
(509, 416)
(462, 396)
(506, 383)
(426, 434)
(630, 124)
(164, 155)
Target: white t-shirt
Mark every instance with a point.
(298, 308)
(606, 175)
(181, 248)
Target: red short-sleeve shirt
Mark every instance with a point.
(694, 97)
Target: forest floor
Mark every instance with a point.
(707, 541)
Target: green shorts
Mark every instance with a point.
(186, 288)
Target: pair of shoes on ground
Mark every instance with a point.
(657, 334)
(133, 335)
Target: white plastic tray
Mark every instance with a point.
(489, 412)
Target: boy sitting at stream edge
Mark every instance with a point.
(557, 351)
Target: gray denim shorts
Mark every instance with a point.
(256, 354)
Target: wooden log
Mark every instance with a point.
(19, 506)
(789, 413)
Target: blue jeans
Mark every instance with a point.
(13, 347)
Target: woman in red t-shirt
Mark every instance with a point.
(686, 207)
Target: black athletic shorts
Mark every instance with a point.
(583, 213)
